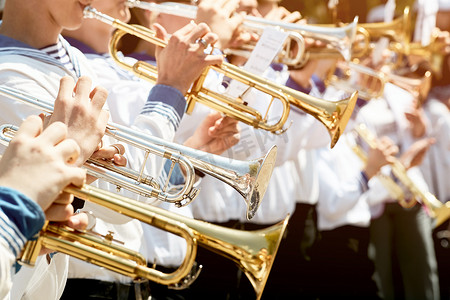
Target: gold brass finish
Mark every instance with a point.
(333, 115)
(253, 251)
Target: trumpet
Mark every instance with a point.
(397, 31)
(285, 56)
(253, 251)
(437, 210)
(433, 53)
(339, 39)
(249, 178)
(333, 115)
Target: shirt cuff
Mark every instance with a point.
(364, 181)
(21, 218)
(166, 100)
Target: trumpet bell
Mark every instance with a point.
(258, 276)
(253, 191)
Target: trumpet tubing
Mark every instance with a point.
(370, 83)
(333, 115)
(249, 178)
(253, 251)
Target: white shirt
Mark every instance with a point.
(436, 165)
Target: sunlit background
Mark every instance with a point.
(317, 11)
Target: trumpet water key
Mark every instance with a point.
(249, 178)
(333, 115)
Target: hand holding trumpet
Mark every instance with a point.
(40, 163)
(184, 54)
(82, 111)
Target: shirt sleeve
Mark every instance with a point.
(20, 220)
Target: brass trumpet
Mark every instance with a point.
(437, 210)
(285, 56)
(333, 115)
(253, 251)
(433, 53)
(249, 178)
(398, 32)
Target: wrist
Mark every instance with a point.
(178, 86)
(369, 172)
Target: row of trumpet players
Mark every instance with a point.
(309, 179)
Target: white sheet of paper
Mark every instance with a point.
(267, 47)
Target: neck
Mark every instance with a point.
(26, 24)
(302, 76)
(92, 33)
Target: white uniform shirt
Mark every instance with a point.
(436, 165)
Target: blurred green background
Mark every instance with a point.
(317, 11)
